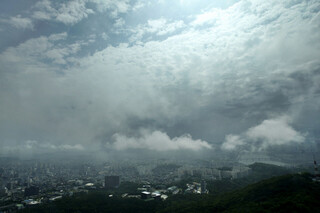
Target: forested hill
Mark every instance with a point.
(288, 193)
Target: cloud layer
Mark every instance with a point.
(97, 72)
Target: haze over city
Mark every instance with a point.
(159, 78)
(159, 106)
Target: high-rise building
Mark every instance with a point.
(112, 182)
(145, 195)
(30, 191)
(203, 187)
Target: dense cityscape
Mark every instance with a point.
(31, 182)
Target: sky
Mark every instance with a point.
(159, 76)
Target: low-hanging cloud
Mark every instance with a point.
(33, 147)
(158, 141)
(232, 142)
(275, 132)
(270, 132)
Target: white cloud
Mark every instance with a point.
(40, 15)
(32, 147)
(119, 22)
(59, 36)
(68, 13)
(271, 132)
(116, 7)
(158, 27)
(274, 132)
(209, 17)
(77, 147)
(140, 4)
(58, 55)
(19, 22)
(27, 52)
(44, 10)
(232, 142)
(73, 11)
(158, 141)
(162, 27)
(104, 36)
(34, 50)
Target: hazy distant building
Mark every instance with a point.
(240, 172)
(10, 185)
(112, 182)
(30, 191)
(2, 191)
(203, 187)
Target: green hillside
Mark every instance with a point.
(288, 193)
(259, 172)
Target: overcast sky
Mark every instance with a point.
(159, 75)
